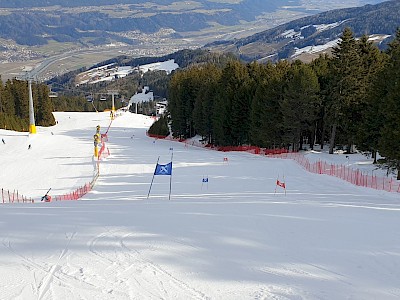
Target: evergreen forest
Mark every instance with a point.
(348, 99)
(14, 105)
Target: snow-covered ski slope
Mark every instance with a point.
(230, 238)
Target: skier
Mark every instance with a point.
(29, 147)
(3, 141)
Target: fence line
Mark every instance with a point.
(14, 197)
(346, 173)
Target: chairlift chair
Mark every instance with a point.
(53, 94)
(89, 98)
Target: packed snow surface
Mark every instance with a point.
(232, 237)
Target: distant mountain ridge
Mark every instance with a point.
(282, 41)
(204, 3)
(96, 22)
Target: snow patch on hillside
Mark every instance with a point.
(316, 49)
(112, 72)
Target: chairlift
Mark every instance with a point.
(53, 94)
(103, 98)
(89, 98)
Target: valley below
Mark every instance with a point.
(226, 20)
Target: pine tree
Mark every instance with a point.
(344, 86)
(183, 88)
(266, 115)
(43, 106)
(1, 96)
(175, 105)
(232, 107)
(257, 73)
(300, 103)
(19, 92)
(369, 111)
(160, 127)
(321, 69)
(389, 143)
(8, 103)
(209, 75)
(15, 104)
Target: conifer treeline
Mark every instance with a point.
(14, 105)
(350, 98)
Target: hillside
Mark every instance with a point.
(380, 20)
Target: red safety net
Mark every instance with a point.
(353, 176)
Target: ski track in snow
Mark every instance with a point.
(49, 275)
(128, 267)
